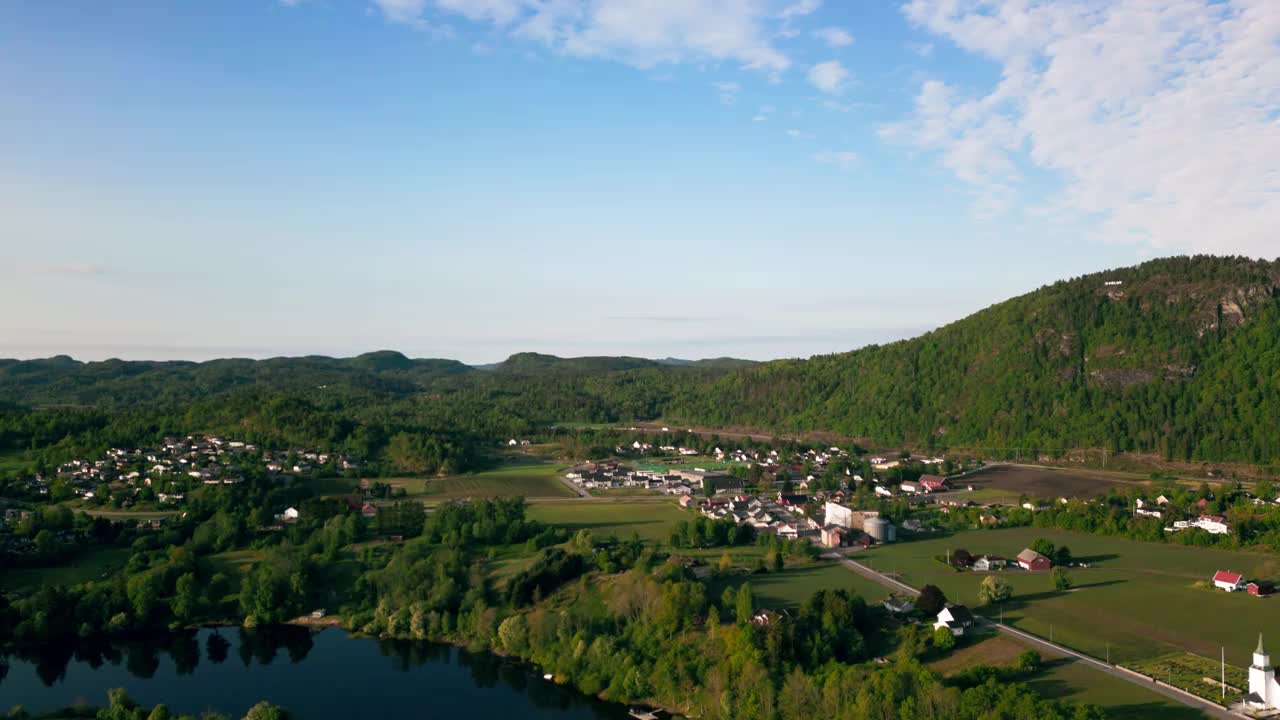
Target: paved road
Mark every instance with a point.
(1047, 647)
(581, 491)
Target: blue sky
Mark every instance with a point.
(472, 178)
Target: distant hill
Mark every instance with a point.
(1178, 356)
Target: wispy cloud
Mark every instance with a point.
(829, 77)
(834, 37)
(843, 159)
(641, 33)
(728, 91)
(71, 268)
(1159, 118)
(663, 319)
(798, 134)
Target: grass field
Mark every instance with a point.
(12, 460)
(1139, 600)
(1063, 679)
(89, 565)
(798, 582)
(526, 477)
(653, 521)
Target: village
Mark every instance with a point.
(165, 474)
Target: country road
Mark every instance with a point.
(1044, 646)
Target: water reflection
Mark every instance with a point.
(290, 666)
(142, 654)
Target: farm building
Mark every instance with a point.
(933, 483)
(955, 618)
(1260, 588)
(1029, 559)
(834, 536)
(988, 562)
(1227, 580)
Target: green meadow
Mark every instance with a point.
(1136, 600)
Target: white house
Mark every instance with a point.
(955, 618)
(291, 513)
(986, 563)
(1227, 580)
(1214, 524)
(1264, 691)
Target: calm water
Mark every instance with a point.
(323, 675)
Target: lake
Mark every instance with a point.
(314, 675)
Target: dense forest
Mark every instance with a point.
(1178, 357)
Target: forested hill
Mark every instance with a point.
(1177, 356)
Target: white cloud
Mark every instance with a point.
(1161, 119)
(759, 118)
(728, 91)
(829, 77)
(834, 37)
(642, 33)
(798, 134)
(800, 8)
(409, 12)
(843, 159)
(499, 12)
(923, 49)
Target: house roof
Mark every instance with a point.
(960, 613)
(1227, 576)
(1029, 556)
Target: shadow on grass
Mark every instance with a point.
(1056, 689)
(1019, 602)
(630, 525)
(1094, 559)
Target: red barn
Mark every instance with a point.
(1031, 560)
(1260, 588)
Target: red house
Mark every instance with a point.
(1227, 580)
(933, 483)
(1260, 588)
(369, 510)
(1031, 560)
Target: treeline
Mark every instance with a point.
(122, 707)
(1178, 360)
(619, 620)
(173, 577)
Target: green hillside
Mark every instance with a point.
(1177, 356)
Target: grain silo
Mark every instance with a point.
(879, 529)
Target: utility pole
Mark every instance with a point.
(1108, 653)
(1051, 632)
(1224, 673)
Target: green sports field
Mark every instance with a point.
(1137, 600)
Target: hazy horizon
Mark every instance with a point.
(472, 178)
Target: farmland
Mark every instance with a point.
(798, 582)
(1064, 679)
(1136, 600)
(524, 478)
(652, 520)
(1005, 483)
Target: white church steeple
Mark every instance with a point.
(1264, 691)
